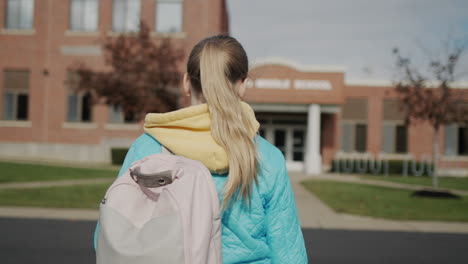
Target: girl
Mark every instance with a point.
(259, 220)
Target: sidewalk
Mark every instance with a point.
(356, 179)
(313, 213)
(41, 184)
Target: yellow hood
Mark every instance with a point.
(187, 132)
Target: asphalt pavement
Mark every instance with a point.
(47, 241)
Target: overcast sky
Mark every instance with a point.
(356, 34)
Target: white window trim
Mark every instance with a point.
(177, 35)
(80, 33)
(15, 123)
(124, 126)
(461, 158)
(25, 32)
(79, 125)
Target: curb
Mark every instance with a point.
(49, 213)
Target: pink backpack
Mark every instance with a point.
(163, 209)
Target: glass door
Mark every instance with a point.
(298, 144)
(280, 139)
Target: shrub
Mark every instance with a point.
(118, 155)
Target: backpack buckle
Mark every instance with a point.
(151, 180)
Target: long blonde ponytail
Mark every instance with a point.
(219, 72)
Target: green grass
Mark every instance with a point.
(444, 182)
(387, 203)
(82, 196)
(19, 172)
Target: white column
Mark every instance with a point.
(313, 160)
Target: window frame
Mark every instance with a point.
(182, 20)
(353, 138)
(121, 116)
(126, 30)
(70, 27)
(6, 25)
(80, 96)
(394, 124)
(16, 93)
(456, 150)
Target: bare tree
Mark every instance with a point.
(432, 97)
(143, 74)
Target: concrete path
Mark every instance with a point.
(40, 184)
(357, 179)
(313, 213)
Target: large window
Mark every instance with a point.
(354, 126)
(395, 132)
(126, 15)
(118, 116)
(79, 107)
(456, 140)
(169, 14)
(79, 104)
(15, 94)
(354, 137)
(19, 14)
(84, 15)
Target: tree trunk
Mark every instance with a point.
(435, 158)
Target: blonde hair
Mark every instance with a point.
(215, 66)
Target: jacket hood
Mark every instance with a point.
(187, 132)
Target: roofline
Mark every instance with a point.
(370, 82)
(388, 83)
(297, 66)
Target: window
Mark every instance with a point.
(116, 115)
(456, 140)
(84, 15)
(126, 15)
(79, 107)
(19, 14)
(395, 138)
(15, 94)
(354, 126)
(353, 137)
(395, 132)
(169, 14)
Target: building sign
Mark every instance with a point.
(312, 85)
(273, 83)
(286, 84)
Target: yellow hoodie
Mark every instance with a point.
(187, 132)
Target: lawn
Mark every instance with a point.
(82, 196)
(385, 202)
(20, 172)
(444, 182)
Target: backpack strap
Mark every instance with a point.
(166, 150)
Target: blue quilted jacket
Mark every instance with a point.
(270, 232)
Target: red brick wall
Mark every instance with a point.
(42, 51)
